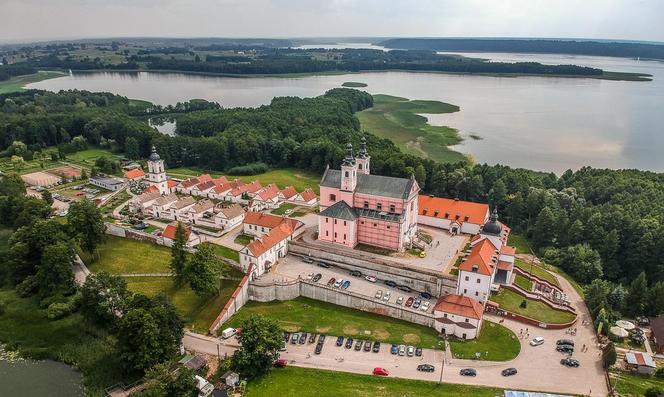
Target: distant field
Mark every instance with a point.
(198, 313)
(87, 157)
(17, 83)
(304, 382)
(399, 120)
(308, 315)
(299, 179)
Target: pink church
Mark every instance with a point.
(357, 207)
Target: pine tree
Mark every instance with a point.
(635, 302)
(179, 254)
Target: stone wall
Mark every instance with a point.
(418, 279)
(275, 290)
(239, 297)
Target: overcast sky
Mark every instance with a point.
(22, 20)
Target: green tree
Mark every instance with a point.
(544, 232)
(161, 381)
(12, 185)
(203, 271)
(87, 224)
(596, 295)
(138, 337)
(655, 299)
(654, 391)
(27, 245)
(260, 341)
(178, 263)
(609, 355)
(47, 197)
(131, 148)
(104, 298)
(582, 262)
(420, 175)
(637, 294)
(54, 274)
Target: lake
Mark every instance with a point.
(27, 378)
(542, 123)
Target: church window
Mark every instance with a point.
(344, 223)
(333, 197)
(327, 233)
(327, 220)
(479, 281)
(359, 166)
(392, 208)
(366, 204)
(467, 278)
(379, 206)
(477, 293)
(467, 320)
(344, 236)
(335, 234)
(465, 291)
(346, 174)
(335, 221)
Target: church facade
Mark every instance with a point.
(357, 207)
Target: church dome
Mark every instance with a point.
(154, 156)
(493, 226)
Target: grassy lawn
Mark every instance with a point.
(283, 208)
(115, 202)
(86, 158)
(17, 83)
(122, 255)
(198, 313)
(398, 119)
(523, 282)
(308, 315)
(299, 179)
(536, 271)
(304, 382)
(243, 239)
(519, 242)
(225, 252)
(500, 343)
(25, 327)
(633, 385)
(536, 310)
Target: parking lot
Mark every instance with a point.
(291, 267)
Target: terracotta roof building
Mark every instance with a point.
(458, 315)
(455, 215)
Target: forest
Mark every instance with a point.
(579, 47)
(596, 224)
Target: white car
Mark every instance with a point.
(338, 283)
(310, 276)
(425, 306)
(387, 295)
(537, 341)
(370, 279)
(410, 351)
(400, 300)
(402, 350)
(379, 294)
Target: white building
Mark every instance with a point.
(476, 272)
(191, 237)
(458, 315)
(142, 203)
(229, 217)
(265, 251)
(161, 206)
(157, 173)
(258, 224)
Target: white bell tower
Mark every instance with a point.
(363, 159)
(349, 170)
(157, 172)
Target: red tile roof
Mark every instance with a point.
(205, 186)
(170, 230)
(133, 174)
(481, 255)
(269, 192)
(262, 244)
(289, 192)
(171, 183)
(308, 195)
(269, 221)
(459, 305)
(507, 250)
(220, 181)
(503, 265)
(151, 189)
(437, 207)
(190, 182)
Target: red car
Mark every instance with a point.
(409, 302)
(380, 371)
(282, 362)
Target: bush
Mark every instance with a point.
(3, 307)
(49, 300)
(249, 169)
(654, 392)
(524, 304)
(659, 373)
(27, 287)
(57, 311)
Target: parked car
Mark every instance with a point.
(358, 345)
(349, 343)
(310, 276)
(376, 347)
(380, 371)
(356, 273)
(508, 372)
(399, 300)
(410, 350)
(404, 288)
(394, 349)
(371, 279)
(565, 348)
(282, 362)
(307, 259)
(312, 338)
(323, 264)
(402, 350)
(379, 294)
(564, 342)
(340, 341)
(228, 332)
(409, 302)
(294, 338)
(345, 285)
(283, 347)
(425, 295)
(367, 346)
(390, 283)
(426, 368)
(319, 348)
(386, 296)
(425, 306)
(416, 303)
(286, 336)
(418, 352)
(321, 339)
(338, 283)
(570, 362)
(538, 340)
(331, 282)
(303, 338)
(317, 277)
(468, 372)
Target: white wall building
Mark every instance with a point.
(458, 315)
